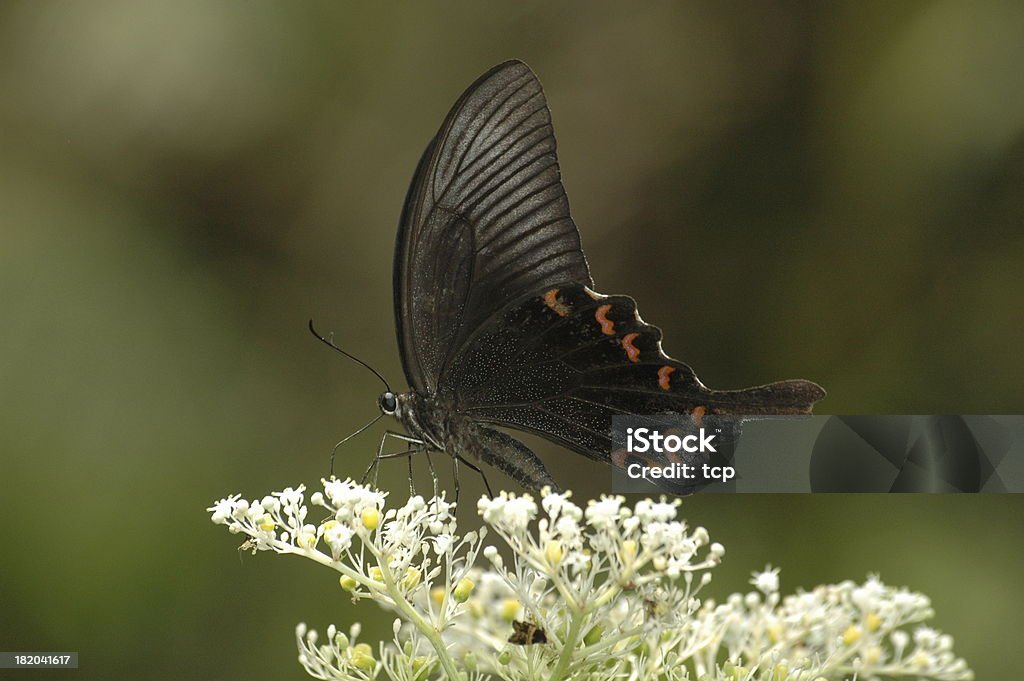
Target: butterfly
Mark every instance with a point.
(498, 322)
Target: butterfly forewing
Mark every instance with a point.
(486, 220)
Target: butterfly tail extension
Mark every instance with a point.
(783, 398)
(513, 458)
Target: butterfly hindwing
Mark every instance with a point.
(562, 362)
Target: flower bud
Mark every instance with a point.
(306, 540)
(734, 672)
(504, 657)
(370, 518)
(553, 552)
(463, 589)
(851, 635)
(267, 523)
(872, 621)
(362, 657)
(347, 583)
(411, 579)
(509, 609)
(376, 574)
(594, 635)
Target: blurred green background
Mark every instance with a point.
(822, 190)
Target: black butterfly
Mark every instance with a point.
(497, 321)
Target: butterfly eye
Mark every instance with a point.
(388, 403)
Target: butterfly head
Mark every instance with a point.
(388, 403)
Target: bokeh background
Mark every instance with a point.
(821, 190)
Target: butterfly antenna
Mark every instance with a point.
(352, 357)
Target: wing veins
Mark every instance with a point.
(526, 80)
(507, 133)
(535, 265)
(496, 216)
(533, 230)
(505, 161)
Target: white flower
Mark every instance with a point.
(348, 496)
(609, 592)
(338, 537)
(226, 508)
(660, 511)
(510, 512)
(604, 514)
(767, 581)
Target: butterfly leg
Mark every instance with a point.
(433, 473)
(374, 464)
(412, 484)
(408, 454)
(455, 476)
(473, 467)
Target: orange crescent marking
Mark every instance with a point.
(607, 325)
(552, 301)
(698, 415)
(632, 351)
(663, 374)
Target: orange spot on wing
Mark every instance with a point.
(663, 374)
(632, 351)
(698, 414)
(607, 325)
(556, 305)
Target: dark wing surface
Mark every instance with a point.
(563, 361)
(485, 222)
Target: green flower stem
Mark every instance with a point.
(400, 602)
(569, 645)
(431, 634)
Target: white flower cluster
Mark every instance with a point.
(844, 631)
(602, 592)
